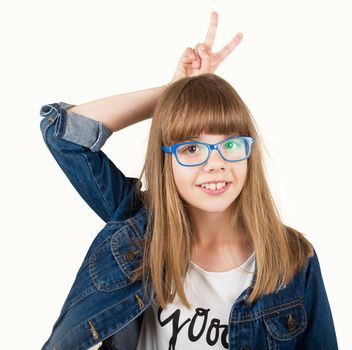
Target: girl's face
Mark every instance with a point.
(188, 179)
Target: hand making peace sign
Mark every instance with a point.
(202, 59)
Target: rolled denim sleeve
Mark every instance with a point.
(75, 141)
(75, 127)
(320, 333)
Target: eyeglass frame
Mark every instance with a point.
(173, 148)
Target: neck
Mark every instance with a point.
(213, 229)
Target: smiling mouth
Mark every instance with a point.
(211, 185)
(215, 190)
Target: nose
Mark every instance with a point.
(215, 161)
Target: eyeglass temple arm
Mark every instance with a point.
(166, 149)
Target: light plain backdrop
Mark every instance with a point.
(292, 68)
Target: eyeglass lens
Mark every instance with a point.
(195, 153)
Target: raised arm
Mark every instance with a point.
(120, 111)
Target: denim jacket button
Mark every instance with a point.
(129, 255)
(291, 323)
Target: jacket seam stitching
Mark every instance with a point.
(258, 315)
(102, 195)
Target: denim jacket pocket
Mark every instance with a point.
(112, 261)
(283, 324)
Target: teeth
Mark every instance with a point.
(214, 186)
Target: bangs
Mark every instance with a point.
(205, 109)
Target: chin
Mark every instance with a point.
(215, 209)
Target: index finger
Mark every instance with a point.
(227, 49)
(210, 37)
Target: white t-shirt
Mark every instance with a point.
(205, 325)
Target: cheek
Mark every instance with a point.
(183, 176)
(239, 172)
(243, 171)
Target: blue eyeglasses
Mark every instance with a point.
(194, 153)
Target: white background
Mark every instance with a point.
(292, 68)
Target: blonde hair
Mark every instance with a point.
(188, 107)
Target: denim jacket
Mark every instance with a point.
(105, 306)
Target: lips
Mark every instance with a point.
(215, 192)
(213, 182)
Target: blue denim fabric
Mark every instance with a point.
(103, 304)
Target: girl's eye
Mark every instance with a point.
(189, 149)
(231, 145)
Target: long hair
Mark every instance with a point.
(188, 107)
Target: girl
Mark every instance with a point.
(201, 259)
